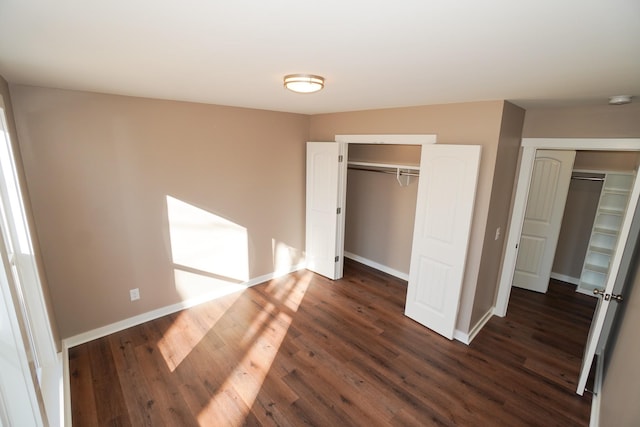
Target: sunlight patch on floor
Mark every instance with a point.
(260, 346)
(187, 331)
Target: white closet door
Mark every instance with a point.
(542, 219)
(326, 172)
(599, 317)
(446, 195)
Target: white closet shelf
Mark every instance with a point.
(384, 165)
(612, 206)
(597, 268)
(612, 211)
(607, 231)
(601, 250)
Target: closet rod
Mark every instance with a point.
(587, 178)
(385, 171)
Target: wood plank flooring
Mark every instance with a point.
(303, 350)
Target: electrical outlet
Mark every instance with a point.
(134, 294)
(497, 233)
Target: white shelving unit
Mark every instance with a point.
(606, 229)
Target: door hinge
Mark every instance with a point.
(340, 158)
(339, 211)
(337, 258)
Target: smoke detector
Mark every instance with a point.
(620, 100)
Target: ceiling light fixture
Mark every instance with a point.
(620, 100)
(303, 83)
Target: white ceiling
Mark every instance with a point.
(373, 53)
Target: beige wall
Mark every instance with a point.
(499, 210)
(100, 169)
(575, 231)
(379, 212)
(607, 160)
(13, 135)
(477, 123)
(621, 385)
(604, 121)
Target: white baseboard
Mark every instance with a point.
(377, 266)
(163, 311)
(465, 337)
(596, 399)
(565, 278)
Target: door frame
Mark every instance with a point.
(529, 148)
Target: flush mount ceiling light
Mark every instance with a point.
(619, 100)
(303, 83)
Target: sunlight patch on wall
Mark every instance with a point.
(285, 257)
(260, 345)
(208, 251)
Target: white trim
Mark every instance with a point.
(515, 228)
(467, 337)
(387, 139)
(103, 331)
(66, 386)
(599, 144)
(596, 399)
(39, 322)
(377, 266)
(565, 278)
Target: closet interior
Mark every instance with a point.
(598, 196)
(382, 184)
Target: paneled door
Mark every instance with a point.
(326, 189)
(543, 216)
(446, 195)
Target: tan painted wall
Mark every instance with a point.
(575, 231)
(607, 160)
(604, 121)
(13, 135)
(499, 210)
(100, 169)
(469, 123)
(621, 385)
(379, 212)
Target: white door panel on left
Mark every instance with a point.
(325, 189)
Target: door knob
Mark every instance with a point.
(617, 298)
(598, 292)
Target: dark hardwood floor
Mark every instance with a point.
(303, 350)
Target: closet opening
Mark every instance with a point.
(433, 213)
(382, 190)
